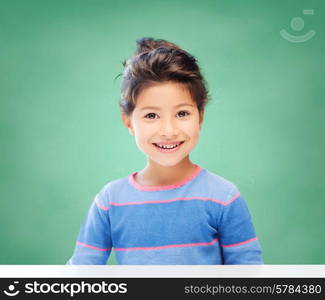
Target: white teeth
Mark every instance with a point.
(168, 146)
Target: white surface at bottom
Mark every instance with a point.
(119, 271)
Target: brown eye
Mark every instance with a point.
(182, 114)
(150, 116)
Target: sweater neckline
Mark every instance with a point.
(163, 187)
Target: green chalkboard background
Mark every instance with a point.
(62, 139)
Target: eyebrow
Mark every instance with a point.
(157, 108)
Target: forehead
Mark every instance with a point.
(164, 94)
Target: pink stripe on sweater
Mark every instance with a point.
(101, 206)
(92, 247)
(164, 187)
(232, 199)
(177, 199)
(241, 243)
(167, 246)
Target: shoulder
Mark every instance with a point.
(103, 197)
(108, 191)
(117, 185)
(217, 186)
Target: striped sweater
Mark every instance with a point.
(202, 220)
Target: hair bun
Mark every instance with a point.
(157, 61)
(147, 44)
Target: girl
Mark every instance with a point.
(173, 211)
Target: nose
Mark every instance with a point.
(169, 128)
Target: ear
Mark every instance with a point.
(201, 114)
(127, 123)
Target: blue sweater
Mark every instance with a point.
(202, 220)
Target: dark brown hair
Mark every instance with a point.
(157, 61)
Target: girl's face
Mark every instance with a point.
(166, 123)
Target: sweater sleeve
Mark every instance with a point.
(237, 235)
(94, 243)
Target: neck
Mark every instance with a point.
(156, 175)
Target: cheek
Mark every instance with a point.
(192, 130)
(143, 133)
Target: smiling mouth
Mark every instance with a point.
(170, 147)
